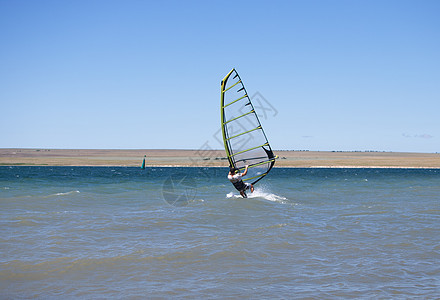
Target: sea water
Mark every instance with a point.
(107, 232)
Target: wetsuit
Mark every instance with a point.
(238, 183)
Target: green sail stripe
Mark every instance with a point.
(232, 86)
(238, 117)
(259, 127)
(265, 144)
(259, 164)
(261, 175)
(235, 101)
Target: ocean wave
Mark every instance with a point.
(51, 268)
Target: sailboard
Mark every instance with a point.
(243, 136)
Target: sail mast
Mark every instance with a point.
(224, 133)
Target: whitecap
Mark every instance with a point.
(231, 194)
(68, 193)
(63, 194)
(259, 194)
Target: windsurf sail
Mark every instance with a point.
(244, 138)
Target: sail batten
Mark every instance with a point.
(250, 149)
(261, 163)
(243, 136)
(232, 86)
(258, 176)
(235, 101)
(240, 134)
(239, 117)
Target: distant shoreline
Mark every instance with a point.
(212, 158)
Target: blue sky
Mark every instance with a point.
(333, 75)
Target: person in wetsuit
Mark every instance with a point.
(235, 177)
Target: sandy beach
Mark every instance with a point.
(211, 158)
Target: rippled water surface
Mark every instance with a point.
(105, 232)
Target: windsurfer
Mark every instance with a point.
(235, 177)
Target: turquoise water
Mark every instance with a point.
(106, 232)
